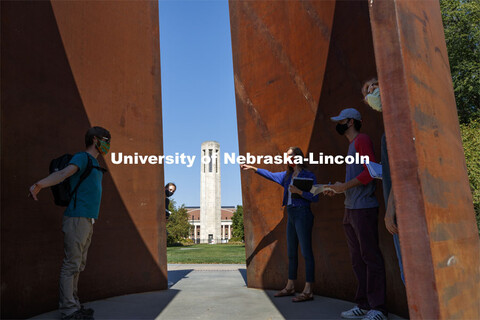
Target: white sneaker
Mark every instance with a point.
(354, 313)
(375, 315)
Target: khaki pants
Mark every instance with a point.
(78, 235)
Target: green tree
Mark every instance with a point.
(461, 21)
(471, 146)
(237, 223)
(178, 227)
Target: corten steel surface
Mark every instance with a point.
(296, 64)
(435, 213)
(65, 66)
(280, 62)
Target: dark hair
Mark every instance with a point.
(171, 184)
(98, 132)
(357, 124)
(296, 152)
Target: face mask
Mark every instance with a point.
(342, 128)
(168, 193)
(103, 146)
(373, 100)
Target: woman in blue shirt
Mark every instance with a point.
(299, 223)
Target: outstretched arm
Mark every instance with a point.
(341, 187)
(53, 179)
(273, 176)
(246, 167)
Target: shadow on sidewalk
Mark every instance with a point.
(243, 272)
(176, 275)
(319, 308)
(147, 305)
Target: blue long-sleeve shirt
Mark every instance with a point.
(282, 179)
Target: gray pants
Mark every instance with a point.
(78, 235)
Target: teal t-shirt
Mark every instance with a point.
(89, 193)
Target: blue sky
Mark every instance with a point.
(198, 95)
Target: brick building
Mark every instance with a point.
(226, 214)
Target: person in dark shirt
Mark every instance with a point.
(170, 189)
(299, 222)
(360, 222)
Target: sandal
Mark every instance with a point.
(304, 296)
(285, 292)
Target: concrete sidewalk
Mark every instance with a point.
(211, 292)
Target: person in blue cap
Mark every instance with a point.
(360, 221)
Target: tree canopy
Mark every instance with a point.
(461, 22)
(178, 227)
(237, 223)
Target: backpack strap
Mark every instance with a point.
(84, 176)
(103, 170)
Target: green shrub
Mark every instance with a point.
(471, 147)
(186, 242)
(237, 223)
(235, 240)
(174, 244)
(178, 227)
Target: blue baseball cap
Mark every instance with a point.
(349, 113)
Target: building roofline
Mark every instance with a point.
(198, 207)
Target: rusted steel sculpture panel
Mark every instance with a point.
(68, 65)
(278, 78)
(434, 203)
(298, 63)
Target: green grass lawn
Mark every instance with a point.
(207, 253)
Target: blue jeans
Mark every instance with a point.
(396, 242)
(299, 229)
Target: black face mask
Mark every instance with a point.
(168, 193)
(342, 128)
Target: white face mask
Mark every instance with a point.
(373, 100)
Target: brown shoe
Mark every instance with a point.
(304, 296)
(285, 292)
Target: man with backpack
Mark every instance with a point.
(83, 179)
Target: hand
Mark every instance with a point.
(390, 224)
(338, 187)
(294, 189)
(34, 190)
(247, 167)
(329, 193)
